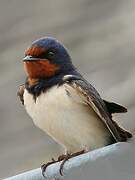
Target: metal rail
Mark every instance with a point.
(52, 172)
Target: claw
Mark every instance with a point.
(60, 158)
(67, 157)
(44, 166)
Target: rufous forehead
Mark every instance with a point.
(35, 51)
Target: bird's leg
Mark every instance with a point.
(67, 157)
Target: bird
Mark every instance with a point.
(64, 104)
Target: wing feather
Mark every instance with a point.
(90, 96)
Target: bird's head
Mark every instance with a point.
(45, 58)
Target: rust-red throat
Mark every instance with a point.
(39, 68)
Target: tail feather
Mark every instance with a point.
(114, 108)
(124, 134)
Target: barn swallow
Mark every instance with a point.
(63, 104)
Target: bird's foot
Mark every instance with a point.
(67, 157)
(63, 158)
(44, 166)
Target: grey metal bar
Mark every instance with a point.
(52, 172)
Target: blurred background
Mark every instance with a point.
(100, 36)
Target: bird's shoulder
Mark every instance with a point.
(20, 93)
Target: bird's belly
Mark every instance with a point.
(73, 124)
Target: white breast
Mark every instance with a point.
(66, 119)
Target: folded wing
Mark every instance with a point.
(90, 96)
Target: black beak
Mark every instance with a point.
(30, 58)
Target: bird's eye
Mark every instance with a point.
(46, 55)
(50, 55)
